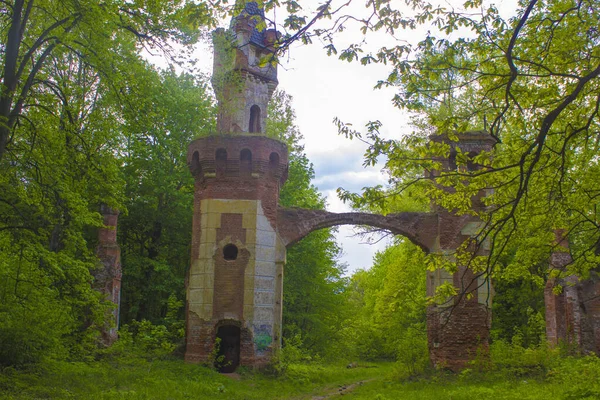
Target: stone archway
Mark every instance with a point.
(237, 211)
(457, 330)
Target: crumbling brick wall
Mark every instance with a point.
(108, 275)
(572, 305)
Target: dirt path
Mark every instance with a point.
(342, 390)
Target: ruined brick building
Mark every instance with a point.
(240, 233)
(573, 314)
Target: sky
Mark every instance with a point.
(323, 88)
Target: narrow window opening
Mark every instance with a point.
(274, 160)
(195, 167)
(472, 165)
(221, 155)
(246, 161)
(221, 161)
(452, 161)
(254, 126)
(230, 252)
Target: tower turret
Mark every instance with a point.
(234, 284)
(244, 71)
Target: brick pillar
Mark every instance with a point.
(459, 330)
(573, 315)
(108, 275)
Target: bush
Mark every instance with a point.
(144, 339)
(412, 351)
(579, 376)
(517, 361)
(30, 333)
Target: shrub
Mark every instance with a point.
(30, 333)
(518, 361)
(579, 376)
(412, 351)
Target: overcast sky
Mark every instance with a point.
(323, 88)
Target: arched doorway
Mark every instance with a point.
(228, 353)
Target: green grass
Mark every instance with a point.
(457, 390)
(140, 379)
(137, 378)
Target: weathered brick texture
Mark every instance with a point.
(259, 179)
(573, 315)
(228, 298)
(238, 176)
(420, 228)
(108, 275)
(456, 335)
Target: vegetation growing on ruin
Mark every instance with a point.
(85, 120)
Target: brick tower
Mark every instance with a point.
(235, 280)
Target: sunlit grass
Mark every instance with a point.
(139, 378)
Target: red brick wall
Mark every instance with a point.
(456, 334)
(232, 180)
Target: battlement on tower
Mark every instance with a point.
(229, 157)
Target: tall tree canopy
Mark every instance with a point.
(101, 34)
(155, 235)
(72, 73)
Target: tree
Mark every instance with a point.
(155, 234)
(34, 30)
(314, 301)
(58, 174)
(69, 70)
(532, 81)
(389, 302)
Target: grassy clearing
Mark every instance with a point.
(137, 378)
(140, 379)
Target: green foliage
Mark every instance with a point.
(532, 82)
(389, 306)
(132, 377)
(103, 36)
(412, 351)
(137, 378)
(51, 183)
(579, 376)
(146, 340)
(155, 234)
(74, 88)
(518, 308)
(514, 360)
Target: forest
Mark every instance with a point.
(87, 121)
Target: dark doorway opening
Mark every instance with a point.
(228, 356)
